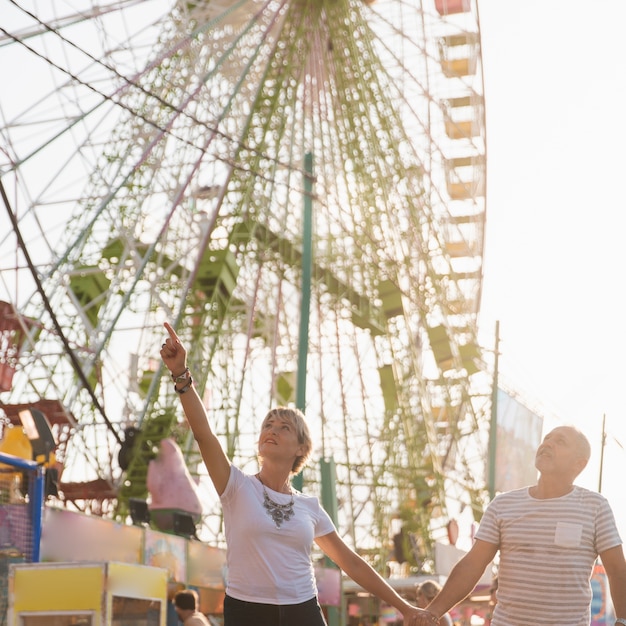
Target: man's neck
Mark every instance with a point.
(546, 489)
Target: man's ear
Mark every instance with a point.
(581, 463)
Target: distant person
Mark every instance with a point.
(270, 527)
(186, 606)
(424, 595)
(549, 536)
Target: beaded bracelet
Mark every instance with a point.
(185, 388)
(184, 376)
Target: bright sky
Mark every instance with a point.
(555, 261)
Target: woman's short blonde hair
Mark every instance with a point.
(296, 418)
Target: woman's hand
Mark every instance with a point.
(173, 352)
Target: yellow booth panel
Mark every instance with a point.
(136, 581)
(59, 587)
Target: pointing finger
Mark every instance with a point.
(171, 332)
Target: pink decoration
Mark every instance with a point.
(169, 482)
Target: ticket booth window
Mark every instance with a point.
(135, 612)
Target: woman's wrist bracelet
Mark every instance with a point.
(184, 376)
(185, 388)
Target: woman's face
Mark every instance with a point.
(279, 436)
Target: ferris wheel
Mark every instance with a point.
(299, 187)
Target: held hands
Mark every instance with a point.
(420, 617)
(173, 352)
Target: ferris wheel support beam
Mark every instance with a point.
(307, 267)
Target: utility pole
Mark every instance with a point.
(603, 443)
(493, 424)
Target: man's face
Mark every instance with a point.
(560, 453)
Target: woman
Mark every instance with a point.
(270, 528)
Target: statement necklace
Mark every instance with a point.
(278, 512)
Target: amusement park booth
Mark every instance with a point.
(65, 568)
(87, 594)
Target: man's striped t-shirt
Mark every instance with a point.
(547, 551)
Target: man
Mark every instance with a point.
(185, 604)
(549, 536)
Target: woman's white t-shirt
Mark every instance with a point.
(267, 564)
